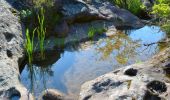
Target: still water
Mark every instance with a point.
(69, 69)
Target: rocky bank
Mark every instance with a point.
(144, 81)
(11, 54)
(147, 80)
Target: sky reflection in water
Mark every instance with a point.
(92, 59)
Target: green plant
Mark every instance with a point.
(25, 13)
(41, 30)
(162, 11)
(134, 6)
(29, 45)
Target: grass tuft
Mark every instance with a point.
(29, 45)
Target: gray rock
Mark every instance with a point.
(11, 53)
(80, 11)
(145, 81)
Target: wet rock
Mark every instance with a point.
(52, 94)
(11, 50)
(134, 82)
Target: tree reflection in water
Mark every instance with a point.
(121, 45)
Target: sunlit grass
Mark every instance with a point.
(41, 30)
(134, 6)
(29, 45)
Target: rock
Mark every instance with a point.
(52, 94)
(145, 81)
(11, 54)
(80, 11)
(61, 29)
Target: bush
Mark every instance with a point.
(162, 11)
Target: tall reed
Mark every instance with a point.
(29, 45)
(41, 30)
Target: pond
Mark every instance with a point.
(68, 69)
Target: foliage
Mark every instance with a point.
(41, 30)
(162, 11)
(122, 44)
(25, 13)
(29, 45)
(134, 6)
(30, 15)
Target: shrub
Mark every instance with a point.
(162, 11)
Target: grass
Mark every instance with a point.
(41, 30)
(134, 6)
(29, 45)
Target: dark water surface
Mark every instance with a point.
(77, 64)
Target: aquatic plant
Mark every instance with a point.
(29, 45)
(41, 30)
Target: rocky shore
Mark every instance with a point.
(145, 81)
(148, 80)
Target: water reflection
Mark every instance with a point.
(67, 70)
(122, 46)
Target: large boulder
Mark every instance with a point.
(80, 15)
(144, 81)
(11, 53)
(80, 11)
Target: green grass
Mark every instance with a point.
(41, 30)
(29, 45)
(134, 6)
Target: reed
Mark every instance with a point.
(29, 45)
(41, 30)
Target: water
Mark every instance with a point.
(68, 70)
